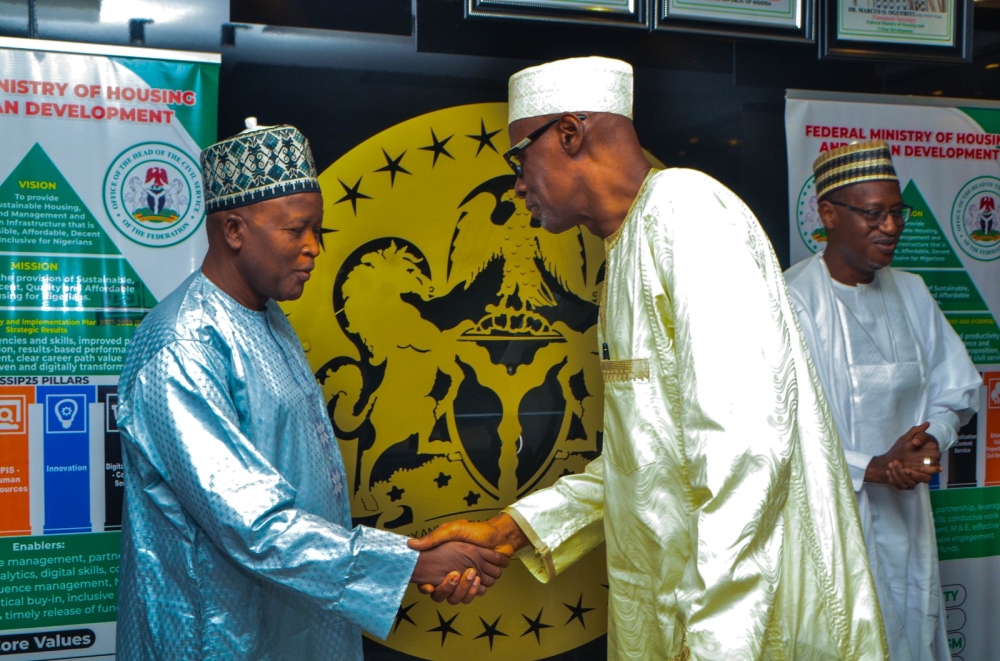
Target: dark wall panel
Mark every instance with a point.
(378, 16)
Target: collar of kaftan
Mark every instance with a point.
(611, 241)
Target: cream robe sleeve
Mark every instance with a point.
(568, 520)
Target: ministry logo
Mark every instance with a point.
(152, 194)
(975, 219)
(807, 218)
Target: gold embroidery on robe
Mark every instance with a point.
(620, 371)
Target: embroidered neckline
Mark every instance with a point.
(231, 303)
(611, 241)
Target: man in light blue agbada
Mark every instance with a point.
(237, 540)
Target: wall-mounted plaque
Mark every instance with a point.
(784, 20)
(911, 30)
(628, 13)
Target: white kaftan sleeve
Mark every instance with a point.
(954, 383)
(857, 462)
(182, 429)
(857, 466)
(567, 521)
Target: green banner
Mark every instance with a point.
(72, 343)
(57, 581)
(967, 522)
(40, 212)
(101, 216)
(979, 332)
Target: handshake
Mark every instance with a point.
(459, 560)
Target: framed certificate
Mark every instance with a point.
(783, 20)
(627, 13)
(901, 30)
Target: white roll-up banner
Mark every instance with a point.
(947, 155)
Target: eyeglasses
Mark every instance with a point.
(512, 155)
(876, 217)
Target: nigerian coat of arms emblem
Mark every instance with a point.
(455, 341)
(152, 194)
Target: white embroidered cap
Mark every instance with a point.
(580, 84)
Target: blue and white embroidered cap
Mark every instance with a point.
(261, 163)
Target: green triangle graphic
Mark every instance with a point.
(923, 244)
(74, 282)
(953, 290)
(987, 118)
(40, 212)
(200, 120)
(924, 250)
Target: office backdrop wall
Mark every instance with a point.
(387, 79)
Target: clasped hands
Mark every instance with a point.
(914, 458)
(459, 560)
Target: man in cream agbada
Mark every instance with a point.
(722, 492)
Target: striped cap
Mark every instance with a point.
(258, 164)
(853, 164)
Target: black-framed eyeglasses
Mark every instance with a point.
(512, 155)
(876, 217)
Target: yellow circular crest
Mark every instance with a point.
(456, 344)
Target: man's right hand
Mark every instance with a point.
(903, 466)
(500, 534)
(436, 566)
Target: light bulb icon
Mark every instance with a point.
(66, 410)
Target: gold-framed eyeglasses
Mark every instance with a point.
(512, 155)
(876, 217)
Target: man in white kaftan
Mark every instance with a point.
(722, 492)
(898, 380)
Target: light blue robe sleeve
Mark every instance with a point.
(202, 467)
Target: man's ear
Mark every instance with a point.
(234, 227)
(571, 131)
(827, 214)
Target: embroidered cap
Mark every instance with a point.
(853, 164)
(579, 84)
(261, 163)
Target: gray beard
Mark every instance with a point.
(874, 266)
